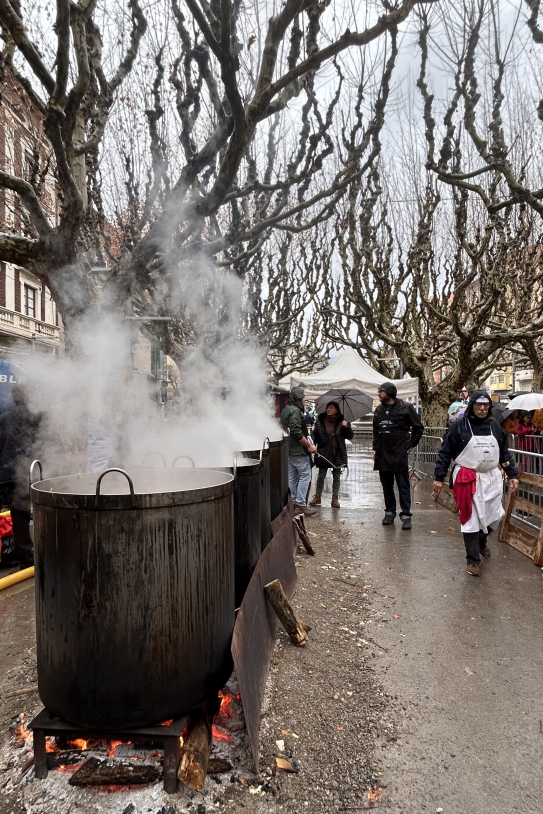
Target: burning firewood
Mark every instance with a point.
(296, 629)
(196, 751)
(97, 772)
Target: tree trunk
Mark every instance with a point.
(434, 410)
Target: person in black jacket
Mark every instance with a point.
(330, 433)
(397, 428)
(478, 445)
(19, 429)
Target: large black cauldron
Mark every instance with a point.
(247, 518)
(134, 593)
(263, 455)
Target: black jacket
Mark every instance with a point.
(394, 432)
(459, 435)
(19, 430)
(322, 440)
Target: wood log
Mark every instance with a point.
(296, 629)
(299, 525)
(196, 751)
(108, 772)
(218, 766)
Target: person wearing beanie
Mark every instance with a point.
(397, 428)
(478, 446)
(299, 451)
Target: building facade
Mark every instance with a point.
(29, 319)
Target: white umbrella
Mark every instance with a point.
(528, 401)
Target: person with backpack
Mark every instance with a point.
(299, 451)
(397, 428)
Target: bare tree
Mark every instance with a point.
(447, 308)
(215, 198)
(283, 282)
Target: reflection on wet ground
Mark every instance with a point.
(360, 486)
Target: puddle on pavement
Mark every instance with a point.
(360, 486)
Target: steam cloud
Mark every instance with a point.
(224, 406)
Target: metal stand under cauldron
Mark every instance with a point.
(46, 725)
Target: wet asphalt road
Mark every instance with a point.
(465, 657)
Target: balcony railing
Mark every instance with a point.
(22, 325)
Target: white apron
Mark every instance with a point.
(482, 454)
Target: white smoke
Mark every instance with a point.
(94, 395)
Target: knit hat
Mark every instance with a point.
(389, 388)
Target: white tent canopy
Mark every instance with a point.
(350, 370)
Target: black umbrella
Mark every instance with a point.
(498, 409)
(352, 403)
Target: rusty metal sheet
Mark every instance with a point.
(281, 519)
(256, 626)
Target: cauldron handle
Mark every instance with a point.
(264, 447)
(188, 459)
(127, 476)
(235, 467)
(32, 465)
(154, 452)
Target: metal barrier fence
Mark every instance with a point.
(423, 457)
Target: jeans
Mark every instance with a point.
(404, 490)
(299, 478)
(336, 475)
(474, 541)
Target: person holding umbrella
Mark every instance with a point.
(397, 428)
(331, 430)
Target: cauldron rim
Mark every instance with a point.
(79, 491)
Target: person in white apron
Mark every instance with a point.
(478, 446)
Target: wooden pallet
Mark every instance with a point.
(523, 540)
(446, 498)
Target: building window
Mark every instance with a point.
(502, 377)
(30, 301)
(493, 380)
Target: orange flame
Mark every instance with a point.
(23, 735)
(220, 734)
(114, 745)
(78, 743)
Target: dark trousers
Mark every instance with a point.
(22, 541)
(22, 549)
(474, 541)
(404, 491)
(336, 476)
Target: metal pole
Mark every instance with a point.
(513, 369)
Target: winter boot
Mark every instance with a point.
(388, 519)
(406, 521)
(315, 500)
(335, 502)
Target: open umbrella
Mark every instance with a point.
(352, 403)
(456, 405)
(527, 401)
(498, 410)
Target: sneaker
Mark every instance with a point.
(315, 500)
(304, 510)
(388, 519)
(484, 551)
(406, 521)
(335, 502)
(473, 569)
